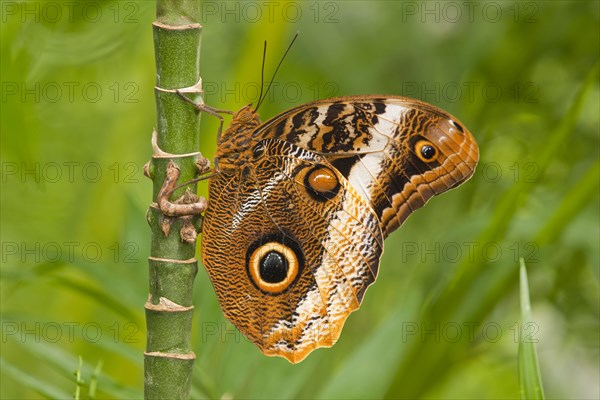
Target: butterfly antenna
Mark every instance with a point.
(261, 98)
(262, 74)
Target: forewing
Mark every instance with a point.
(372, 141)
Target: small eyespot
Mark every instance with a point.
(273, 267)
(322, 183)
(425, 150)
(457, 126)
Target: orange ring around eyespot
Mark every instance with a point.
(254, 267)
(419, 146)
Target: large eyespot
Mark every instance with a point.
(273, 267)
(425, 150)
(321, 183)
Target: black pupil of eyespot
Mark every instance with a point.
(273, 267)
(427, 151)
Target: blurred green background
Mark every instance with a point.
(77, 111)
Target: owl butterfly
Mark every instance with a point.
(300, 205)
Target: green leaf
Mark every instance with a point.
(530, 381)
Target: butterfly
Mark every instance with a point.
(299, 207)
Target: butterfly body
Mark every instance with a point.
(300, 205)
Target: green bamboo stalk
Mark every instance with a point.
(168, 360)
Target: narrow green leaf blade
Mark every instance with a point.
(530, 381)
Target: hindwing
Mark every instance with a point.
(291, 205)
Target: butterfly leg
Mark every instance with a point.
(204, 171)
(187, 204)
(215, 112)
(186, 207)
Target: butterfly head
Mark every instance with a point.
(237, 138)
(246, 119)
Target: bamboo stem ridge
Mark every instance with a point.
(174, 214)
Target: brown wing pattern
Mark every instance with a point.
(373, 140)
(300, 205)
(333, 236)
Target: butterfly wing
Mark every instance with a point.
(396, 152)
(298, 212)
(290, 247)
